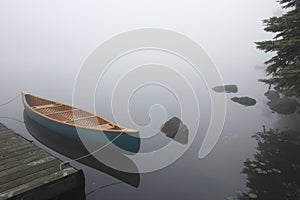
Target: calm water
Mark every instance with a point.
(46, 65)
(217, 176)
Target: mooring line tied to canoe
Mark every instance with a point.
(11, 118)
(14, 119)
(8, 102)
(11, 100)
(64, 163)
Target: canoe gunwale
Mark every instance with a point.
(122, 129)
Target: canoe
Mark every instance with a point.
(79, 124)
(74, 149)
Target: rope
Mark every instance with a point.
(14, 119)
(65, 162)
(91, 153)
(104, 186)
(11, 118)
(17, 120)
(11, 100)
(61, 165)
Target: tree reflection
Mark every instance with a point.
(274, 173)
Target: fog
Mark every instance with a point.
(43, 45)
(61, 34)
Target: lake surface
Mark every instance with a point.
(217, 176)
(238, 164)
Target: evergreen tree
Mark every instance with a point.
(284, 67)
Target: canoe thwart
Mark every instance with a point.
(52, 105)
(63, 111)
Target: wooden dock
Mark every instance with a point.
(28, 172)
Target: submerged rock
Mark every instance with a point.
(175, 129)
(226, 88)
(246, 101)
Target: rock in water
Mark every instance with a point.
(246, 101)
(182, 135)
(175, 129)
(226, 88)
(171, 127)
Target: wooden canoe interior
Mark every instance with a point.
(68, 114)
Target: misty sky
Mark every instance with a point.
(46, 35)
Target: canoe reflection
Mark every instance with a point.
(74, 149)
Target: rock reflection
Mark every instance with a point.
(175, 129)
(74, 149)
(246, 101)
(275, 170)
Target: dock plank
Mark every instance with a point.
(11, 144)
(27, 168)
(29, 172)
(17, 148)
(21, 156)
(29, 178)
(16, 153)
(24, 160)
(37, 183)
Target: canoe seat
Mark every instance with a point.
(47, 106)
(104, 126)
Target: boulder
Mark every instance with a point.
(226, 88)
(246, 101)
(175, 129)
